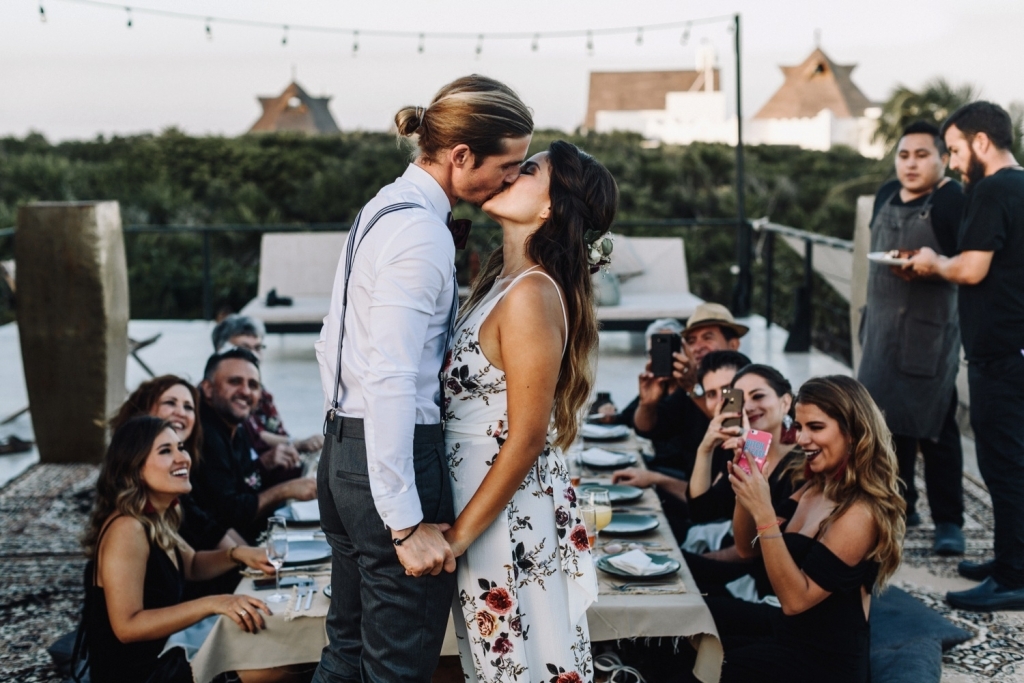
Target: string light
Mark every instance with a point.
(355, 43)
(284, 37)
(42, 13)
(420, 47)
(129, 11)
(640, 36)
(536, 42)
(209, 31)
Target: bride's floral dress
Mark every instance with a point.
(525, 584)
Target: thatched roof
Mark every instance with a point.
(295, 110)
(818, 83)
(636, 90)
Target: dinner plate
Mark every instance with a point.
(880, 257)
(618, 493)
(628, 524)
(307, 552)
(289, 515)
(593, 432)
(327, 591)
(667, 566)
(620, 459)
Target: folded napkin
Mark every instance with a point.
(603, 431)
(601, 457)
(635, 562)
(306, 511)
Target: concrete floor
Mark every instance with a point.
(291, 372)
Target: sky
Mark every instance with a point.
(84, 72)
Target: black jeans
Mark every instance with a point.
(997, 416)
(943, 469)
(383, 626)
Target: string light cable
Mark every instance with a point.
(420, 37)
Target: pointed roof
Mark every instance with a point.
(818, 83)
(295, 110)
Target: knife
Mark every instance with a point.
(309, 598)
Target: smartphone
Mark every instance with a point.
(286, 582)
(662, 348)
(756, 445)
(732, 402)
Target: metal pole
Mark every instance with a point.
(769, 277)
(207, 281)
(744, 283)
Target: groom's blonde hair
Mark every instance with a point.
(476, 111)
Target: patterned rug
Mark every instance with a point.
(43, 513)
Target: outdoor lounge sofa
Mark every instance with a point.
(301, 267)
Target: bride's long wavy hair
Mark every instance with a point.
(584, 198)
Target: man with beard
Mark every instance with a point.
(989, 270)
(226, 481)
(911, 334)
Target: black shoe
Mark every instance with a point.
(949, 539)
(988, 596)
(976, 571)
(913, 519)
(274, 300)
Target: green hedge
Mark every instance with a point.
(173, 178)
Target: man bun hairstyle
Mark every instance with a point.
(926, 128)
(476, 111)
(982, 117)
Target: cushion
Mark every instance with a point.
(626, 263)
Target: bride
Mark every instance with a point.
(519, 366)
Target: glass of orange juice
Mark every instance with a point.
(602, 504)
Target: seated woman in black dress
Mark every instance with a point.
(833, 543)
(138, 564)
(767, 404)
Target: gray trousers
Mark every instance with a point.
(383, 626)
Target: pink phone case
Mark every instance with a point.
(756, 444)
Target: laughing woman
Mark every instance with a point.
(138, 564)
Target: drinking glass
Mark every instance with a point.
(587, 513)
(573, 460)
(602, 504)
(277, 551)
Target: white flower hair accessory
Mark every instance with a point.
(599, 249)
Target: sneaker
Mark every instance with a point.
(976, 571)
(949, 539)
(988, 596)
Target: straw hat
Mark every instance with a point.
(709, 313)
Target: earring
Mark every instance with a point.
(787, 422)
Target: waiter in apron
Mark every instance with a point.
(910, 330)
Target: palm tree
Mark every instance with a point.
(933, 103)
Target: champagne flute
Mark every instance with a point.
(600, 500)
(277, 551)
(589, 521)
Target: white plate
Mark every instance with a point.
(880, 257)
(604, 432)
(598, 457)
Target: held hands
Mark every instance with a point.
(281, 455)
(426, 551)
(244, 610)
(652, 388)
(718, 435)
(684, 372)
(752, 491)
(254, 558)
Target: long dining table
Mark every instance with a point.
(627, 608)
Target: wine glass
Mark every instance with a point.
(587, 513)
(277, 551)
(600, 500)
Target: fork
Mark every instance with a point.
(643, 584)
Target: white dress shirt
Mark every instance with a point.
(396, 324)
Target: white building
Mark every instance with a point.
(817, 107)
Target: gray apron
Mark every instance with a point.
(910, 331)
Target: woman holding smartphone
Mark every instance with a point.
(826, 549)
(138, 564)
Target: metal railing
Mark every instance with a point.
(803, 318)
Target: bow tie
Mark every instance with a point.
(459, 228)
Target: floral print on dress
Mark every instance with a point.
(518, 579)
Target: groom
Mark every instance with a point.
(383, 482)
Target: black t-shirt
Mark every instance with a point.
(680, 429)
(947, 210)
(992, 311)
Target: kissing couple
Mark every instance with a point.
(441, 482)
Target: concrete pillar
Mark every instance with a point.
(73, 322)
(859, 276)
